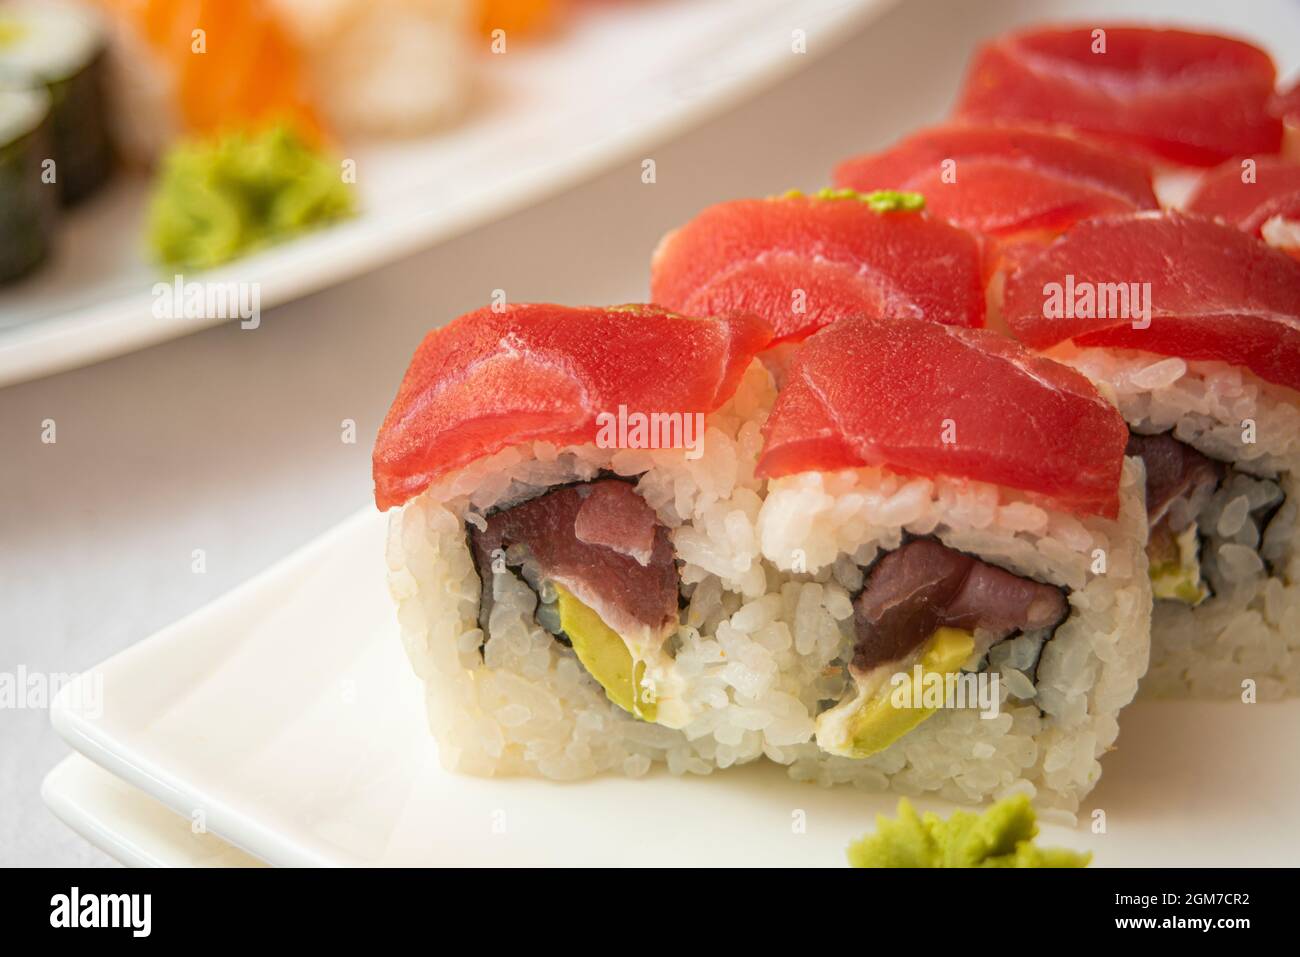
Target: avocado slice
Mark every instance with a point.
(605, 656)
(871, 723)
(1175, 568)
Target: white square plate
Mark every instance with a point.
(127, 824)
(285, 717)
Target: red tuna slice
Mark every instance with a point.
(630, 595)
(924, 585)
(1185, 98)
(759, 255)
(1005, 181)
(892, 392)
(1249, 199)
(1215, 292)
(540, 372)
(615, 516)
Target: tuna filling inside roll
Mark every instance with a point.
(1208, 519)
(602, 570)
(928, 610)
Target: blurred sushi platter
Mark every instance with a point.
(265, 142)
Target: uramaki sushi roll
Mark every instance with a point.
(945, 507)
(1192, 328)
(559, 582)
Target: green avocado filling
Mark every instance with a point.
(605, 656)
(219, 199)
(1175, 567)
(879, 722)
(880, 201)
(1003, 836)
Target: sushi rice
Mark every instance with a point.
(1060, 692)
(383, 66)
(761, 647)
(1249, 628)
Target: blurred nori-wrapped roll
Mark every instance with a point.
(62, 48)
(27, 204)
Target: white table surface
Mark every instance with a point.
(229, 440)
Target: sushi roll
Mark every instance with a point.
(560, 562)
(944, 508)
(802, 262)
(576, 608)
(383, 66)
(27, 204)
(1172, 97)
(1263, 199)
(201, 68)
(61, 48)
(1192, 328)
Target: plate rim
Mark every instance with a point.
(88, 738)
(72, 798)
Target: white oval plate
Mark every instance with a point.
(287, 719)
(620, 78)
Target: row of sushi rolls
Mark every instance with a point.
(1012, 406)
(912, 483)
(235, 109)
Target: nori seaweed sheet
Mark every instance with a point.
(82, 147)
(27, 204)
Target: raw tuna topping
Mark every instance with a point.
(1209, 291)
(1172, 95)
(1005, 181)
(540, 372)
(802, 262)
(933, 400)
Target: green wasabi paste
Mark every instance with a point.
(880, 201)
(1003, 836)
(219, 199)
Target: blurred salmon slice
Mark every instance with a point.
(1215, 292)
(802, 262)
(228, 63)
(1185, 98)
(921, 398)
(1004, 181)
(538, 372)
(1262, 199)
